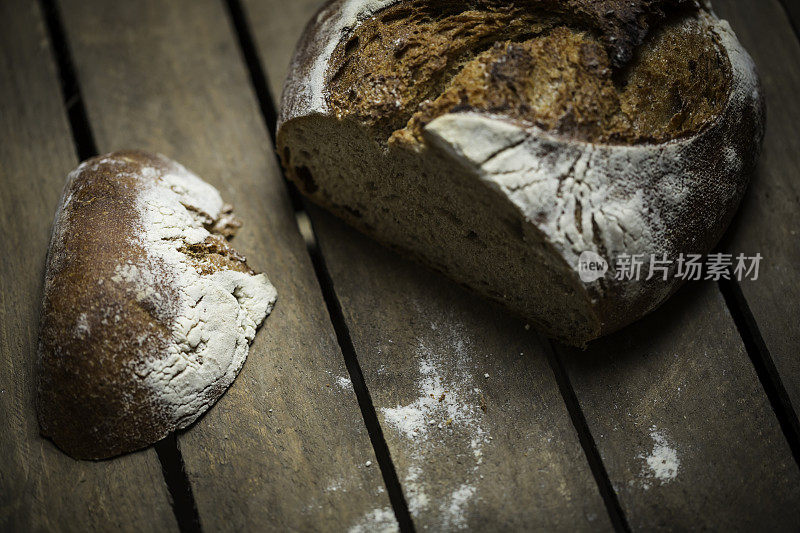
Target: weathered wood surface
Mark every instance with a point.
(683, 425)
(470, 450)
(708, 406)
(769, 221)
(704, 357)
(792, 8)
(42, 489)
(469, 406)
(286, 447)
(676, 390)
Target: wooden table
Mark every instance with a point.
(684, 420)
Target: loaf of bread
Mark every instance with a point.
(499, 141)
(148, 312)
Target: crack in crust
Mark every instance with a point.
(148, 312)
(533, 63)
(500, 195)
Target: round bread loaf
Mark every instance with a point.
(148, 312)
(499, 141)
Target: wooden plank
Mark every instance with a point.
(470, 408)
(709, 488)
(286, 447)
(42, 489)
(679, 386)
(462, 453)
(682, 423)
(769, 221)
(792, 8)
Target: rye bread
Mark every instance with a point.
(499, 141)
(148, 312)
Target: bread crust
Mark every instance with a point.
(148, 312)
(673, 197)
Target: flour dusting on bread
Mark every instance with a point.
(148, 311)
(215, 315)
(499, 141)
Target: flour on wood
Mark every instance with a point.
(662, 463)
(377, 521)
(445, 417)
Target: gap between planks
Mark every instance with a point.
(169, 455)
(762, 362)
(601, 477)
(266, 102)
(175, 476)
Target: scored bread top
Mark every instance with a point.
(554, 66)
(605, 136)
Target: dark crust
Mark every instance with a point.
(697, 221)
(415, 61)
(622, 24)
(215, 254)
(91, 402)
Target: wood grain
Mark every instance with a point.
(416, 334)
(286, 447)
(678, 390)
(769, 220)
(469, 406)
(42, 489)
(719, 424)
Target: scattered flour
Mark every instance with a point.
(662, 463)
(453, 509)
(446, 416)
(344, 383)
(440, 402)
(415, 491)
(377, 521)
(335, 486)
